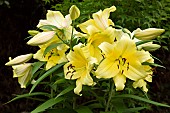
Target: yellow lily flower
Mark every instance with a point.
(19, 59)
(100, 20)
(95, 39)
(79, 66)
(23, 72)
(55, 18)
(122, 61)
(53, 57)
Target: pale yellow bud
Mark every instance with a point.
(33, 32)
(19, 59)
(151, 47)
(74, 12)
(148, 34)
(41, 38)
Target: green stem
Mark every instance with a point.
(74, 102)
(52, 92)
(110, 96)
(71, 46)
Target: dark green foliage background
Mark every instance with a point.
(19, 16)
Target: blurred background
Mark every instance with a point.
(19, 16)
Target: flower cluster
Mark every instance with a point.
(107, 51)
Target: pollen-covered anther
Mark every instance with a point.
(70, 71)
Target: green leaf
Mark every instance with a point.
(36, 66)
(68, 89)
(141, 99)
(28, 95)
(83, 109)
(108, 112)
(49, 72)
(60, 81)
(143, 42)
(49, 48)
(47, 104)
(48, 27)
(152, 64)
(119, 105)
(133, 110)
(61, 110)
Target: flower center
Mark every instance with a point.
(122, 64)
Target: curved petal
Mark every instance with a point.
(141, 84)
(119, 81)
(78, 88)
(84, 25)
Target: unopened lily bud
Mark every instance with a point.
(33, 32)
(19, 59)
(41, 38)
(148, 34)
(151, 47)
(74, 12)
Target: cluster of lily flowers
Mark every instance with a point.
(108, 51)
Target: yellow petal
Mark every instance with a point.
(135, 72)
(143, 56)
(107, 69)
(107, 48)
(19, 59)
(84, 25)
(78, 88)
(141, 84)
(101, 18)
(119, 81)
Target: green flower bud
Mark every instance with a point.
(33, 32)
(74, 12)
(151, 47)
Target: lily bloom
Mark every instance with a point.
(53, 57)
(23, 72)
(122, 60)
(79, 66)
(100, 20)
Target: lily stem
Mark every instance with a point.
(110, 96)
(71, 41)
